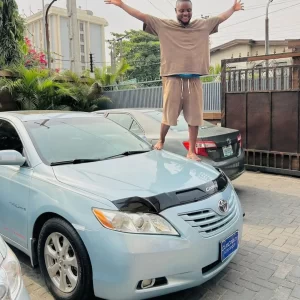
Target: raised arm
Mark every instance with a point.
(237, 6)
(131, 11)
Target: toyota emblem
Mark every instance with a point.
(223, 206)
(228, 142)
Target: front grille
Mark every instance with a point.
(208, 222)
(210, 267)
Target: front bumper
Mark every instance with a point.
(23, 294)
(120, 261)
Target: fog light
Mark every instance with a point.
(148, 283)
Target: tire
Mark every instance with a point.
(70, 261)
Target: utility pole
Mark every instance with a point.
(120, 40)
(121, 49)
(112, 55)
(113, 58)
(91, 63)
(47, 33)
(267, 27)
(73, 36)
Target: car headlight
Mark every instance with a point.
(10, 277)
(134, 223)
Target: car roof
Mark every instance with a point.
(29, 115)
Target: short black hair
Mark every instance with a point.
(178, 1)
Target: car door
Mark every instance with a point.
(14, 189)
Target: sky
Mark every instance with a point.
(247, 24)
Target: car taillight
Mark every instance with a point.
(201, 147)
(239, 139)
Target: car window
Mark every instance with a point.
(181, 122)
(81, 138)
(124, 120)
(9, 138)
(135, 128)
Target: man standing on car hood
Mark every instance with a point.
(185, 56)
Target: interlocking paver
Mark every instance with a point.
(282, 293)
(296, 272)
(283, 270)
(264, 294)
(267, 266)
(296, 292)
(282, 282)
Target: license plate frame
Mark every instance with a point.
(227, 151)
(227, 247)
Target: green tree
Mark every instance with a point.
(83, 94)
(142, 52)
(105, 77)
(34, 89)
(214, 71)
(11, 33)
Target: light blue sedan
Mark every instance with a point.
(104, 214)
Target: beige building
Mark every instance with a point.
(91, 36)
(243, 48)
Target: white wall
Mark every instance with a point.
(231, 52)
(96, 44)
(235, 51)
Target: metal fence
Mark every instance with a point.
(149, 95)
(260, 79)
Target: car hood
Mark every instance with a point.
(142, 175)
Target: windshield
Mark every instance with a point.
(181, 122)
(86, 138)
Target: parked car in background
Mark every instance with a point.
(104, 214)
(218, 146)
(11, 282)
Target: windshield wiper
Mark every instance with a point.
(73, 162)
(83, 160)
(127, 153)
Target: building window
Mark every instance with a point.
(256, 53)
(231, 55)
(81, 26)
(240, 54)
(248, 53)
(283, 50)
(83, 68)
(82, 48)
(274, 51)
(82, 59)
(82, 38)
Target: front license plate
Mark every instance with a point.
(229, 245)
(227, 151)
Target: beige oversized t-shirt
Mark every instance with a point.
(184, 49)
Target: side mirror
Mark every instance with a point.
(11, 158)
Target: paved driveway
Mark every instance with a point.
(267, 266)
